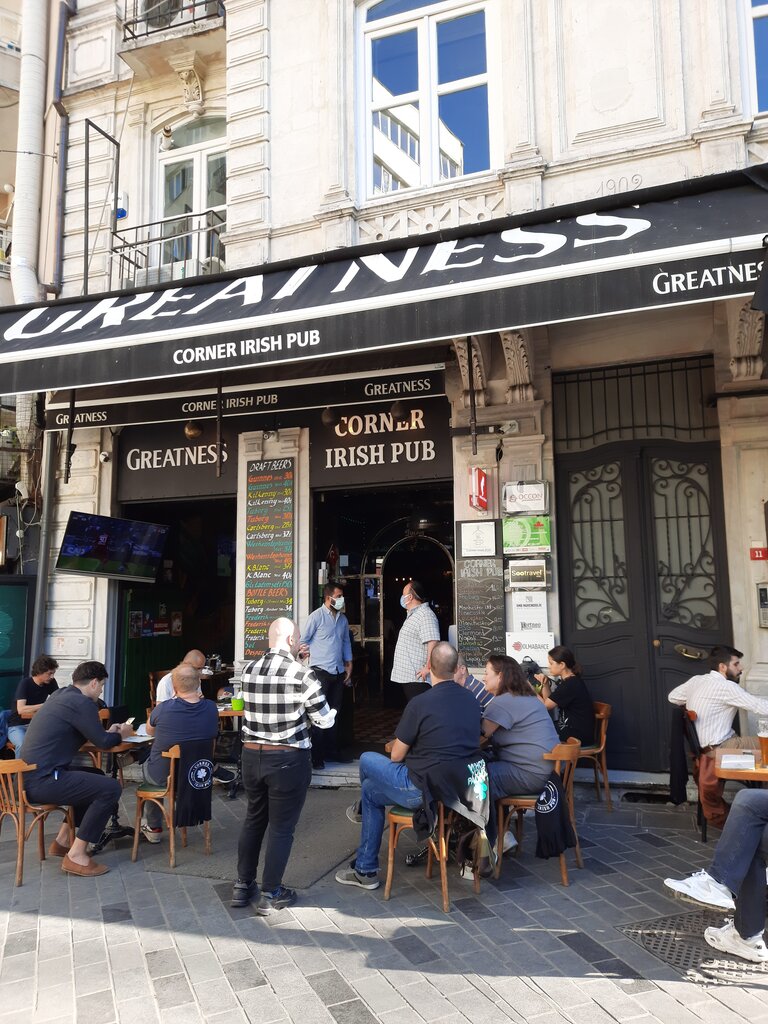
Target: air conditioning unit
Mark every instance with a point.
(212, 265)
(160, 14)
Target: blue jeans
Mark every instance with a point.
(16, 734)
(739, 861)
(384, 782)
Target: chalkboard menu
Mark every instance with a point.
(268, 550)
(480, 608)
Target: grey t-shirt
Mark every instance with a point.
(525, 731)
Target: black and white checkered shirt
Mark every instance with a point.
(282, 701)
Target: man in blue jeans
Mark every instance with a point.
(738, 869)
(440, 725)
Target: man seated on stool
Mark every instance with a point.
(67, 720)
(164, 690)
(440, 725)
(189, 717)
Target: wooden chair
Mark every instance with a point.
(400, 819)
(564, 757)
(159, 795)
(97, 756)
(154, 679)
(14, 805)
(692, 739)
(596, 751)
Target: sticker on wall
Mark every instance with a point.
(530, 645)
(529, 611)
(527, 535)
(521, 497)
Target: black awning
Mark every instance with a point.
(670, 249)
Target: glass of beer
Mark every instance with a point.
(762, 735)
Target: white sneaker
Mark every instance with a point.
(702, 888)
(152, 835)
(728, 940)
(509, 842)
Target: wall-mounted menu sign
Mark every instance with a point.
(480, 608)
(268, 550)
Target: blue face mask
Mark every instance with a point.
(404, 601)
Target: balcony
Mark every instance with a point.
(155, 32)
(168, 250)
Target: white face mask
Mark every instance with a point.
(337, 603)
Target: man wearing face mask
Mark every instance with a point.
(326, 638)
(282, 700)
(418, 635)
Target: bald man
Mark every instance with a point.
(283, 700)
(164, 691)
(188, 717)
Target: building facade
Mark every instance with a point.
(401, 254)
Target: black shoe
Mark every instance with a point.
(243, 893)
(318, 765)
(341, 758)
(222, 776)
(272, 901)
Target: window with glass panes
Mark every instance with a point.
(759, 11)
(192, 192)
(427, 105)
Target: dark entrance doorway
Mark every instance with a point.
(643, 573)
(381, 539)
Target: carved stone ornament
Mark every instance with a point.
(747, 362)
(479, 376)
(520, 385)
(190, 71)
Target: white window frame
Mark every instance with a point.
(425, 20)
(751, 15)
(198, 153)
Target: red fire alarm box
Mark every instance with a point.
(478, 489)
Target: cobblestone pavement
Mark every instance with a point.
(138, 946)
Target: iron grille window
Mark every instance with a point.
(625, 403)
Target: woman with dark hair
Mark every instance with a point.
(570, 699)
(520, 730)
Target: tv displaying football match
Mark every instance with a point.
(121, 549)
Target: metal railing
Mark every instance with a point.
(5, 252)
(147, 17)
(172, 249)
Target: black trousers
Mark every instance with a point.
(412, 690)
(92, 795)
(325, 741)
(276, 784)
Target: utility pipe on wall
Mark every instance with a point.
(29, 159)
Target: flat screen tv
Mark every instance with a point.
(121, 549)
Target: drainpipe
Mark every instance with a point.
(50, 459)
(67, 8)
(29, 159)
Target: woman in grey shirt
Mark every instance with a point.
(520, 730)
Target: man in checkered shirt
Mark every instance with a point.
(282, 701)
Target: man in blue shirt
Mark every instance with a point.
(326, 638)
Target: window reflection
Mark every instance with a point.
(387, 8)
(761, 61)
(464, 145)
(396, 63)
(461, 48)
(396, 148)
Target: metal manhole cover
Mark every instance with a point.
(678, 940)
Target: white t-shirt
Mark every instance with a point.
(164, 689)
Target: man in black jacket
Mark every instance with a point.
(67, 720)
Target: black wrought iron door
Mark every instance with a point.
(643, 578)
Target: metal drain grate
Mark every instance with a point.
(678, 940)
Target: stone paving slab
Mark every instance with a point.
(141, 946)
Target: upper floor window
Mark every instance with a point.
(760, 40)
(427, 92)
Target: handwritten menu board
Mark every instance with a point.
(268, 550)
(480, 608)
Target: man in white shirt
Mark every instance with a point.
(715, 698)
(195, 659)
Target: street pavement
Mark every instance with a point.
(141, 946)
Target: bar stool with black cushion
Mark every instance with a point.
(14, 805)
(564, 757)
(401, 818)
(200, 752)
(596, 752)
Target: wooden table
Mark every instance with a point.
(757, 774)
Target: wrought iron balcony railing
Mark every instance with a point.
(145, 18)
(168, 250)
